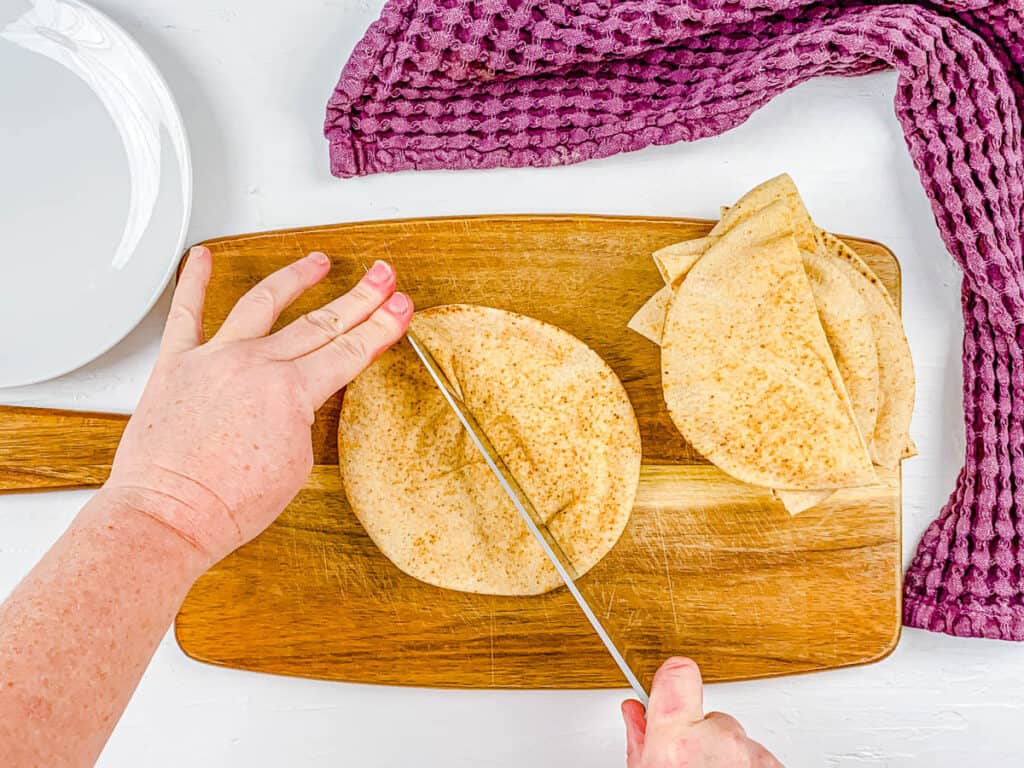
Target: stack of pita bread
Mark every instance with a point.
(784, 360)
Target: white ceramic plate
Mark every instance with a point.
(95, 187)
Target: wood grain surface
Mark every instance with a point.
(42, 449)
(707, 567)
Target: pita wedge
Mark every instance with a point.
(779, 189)
(747, 372)
(650, 318)
(796, 502)
(674, 261)
(555, 412)
(890, 439)
(841, 309)
(847, 324)
(843, 315)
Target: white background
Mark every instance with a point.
(252, 79)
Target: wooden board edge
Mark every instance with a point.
(500, 217)
(437, 219)
(92, 486)
(511, 217)
(893, 641)
(892, 257)
(90, 475)
(63, 412)
(883, 653)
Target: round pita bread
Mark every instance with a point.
(553, 409)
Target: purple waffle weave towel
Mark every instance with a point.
(486, 83)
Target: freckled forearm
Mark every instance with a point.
(78, 632)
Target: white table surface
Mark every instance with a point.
(252, 79)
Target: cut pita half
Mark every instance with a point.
(890, 440)
(748, 375)
(847, 321)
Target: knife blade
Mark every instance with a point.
(534, 522)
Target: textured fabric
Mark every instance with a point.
(486, 83)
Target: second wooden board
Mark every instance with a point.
(708, 567)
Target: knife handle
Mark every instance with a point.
(43, 449)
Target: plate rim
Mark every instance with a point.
(120, 333)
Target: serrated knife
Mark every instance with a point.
(521, 502)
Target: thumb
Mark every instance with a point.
(677, 701)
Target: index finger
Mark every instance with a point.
(184, 327)
(332, 366)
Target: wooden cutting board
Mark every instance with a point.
(708, 567)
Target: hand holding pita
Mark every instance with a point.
(220, 442)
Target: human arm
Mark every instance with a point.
(218, 446)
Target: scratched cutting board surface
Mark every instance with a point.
(707, 567)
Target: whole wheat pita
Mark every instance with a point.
(555, 412)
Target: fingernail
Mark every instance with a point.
(197, 251)
(319, 258)
(379, 273)
(398, 304)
